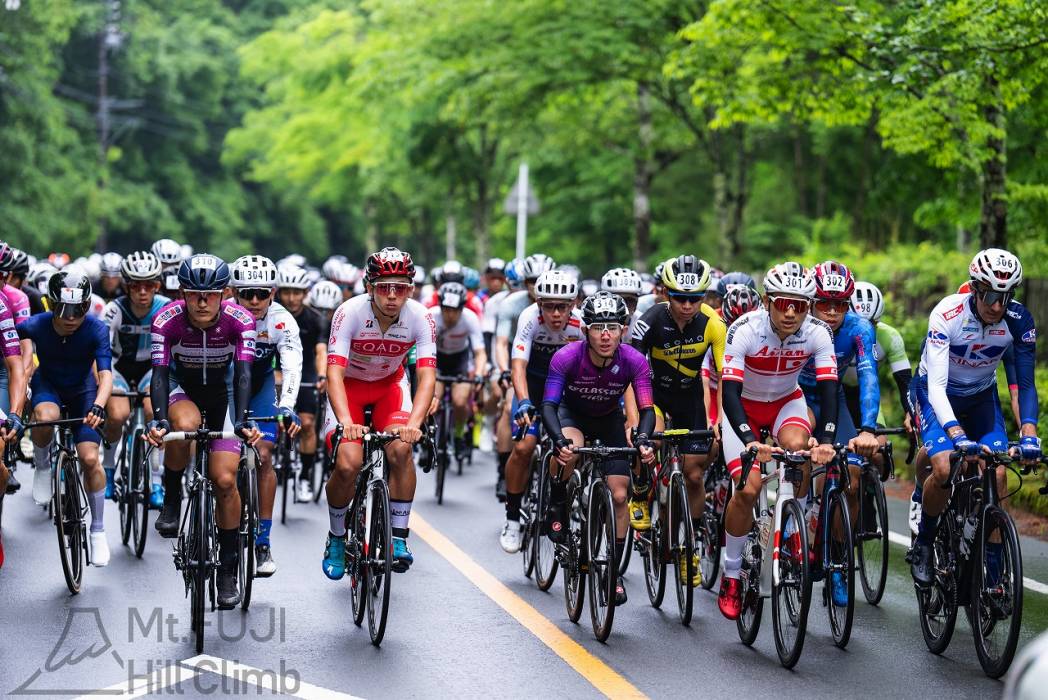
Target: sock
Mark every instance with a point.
(399, 512)
(264, 526)
(503, 458)
(307, 466)
(513, 506)
(109, 455)
(172, 485)
(733, 554)
(228, 543)
(926, 530)
(40, 460)
(917, 494)
(337, 518)
(97, 499)
(156, 466)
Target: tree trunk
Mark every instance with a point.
(643, 171)
(993, 228)
(800, 175)
(741, 195)
(482, 202)
(370, 226)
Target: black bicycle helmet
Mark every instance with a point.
(70, 293)
(203, 273)
(604, 307)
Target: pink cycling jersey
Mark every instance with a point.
(17, 303)
(11, 345)
(358, 343)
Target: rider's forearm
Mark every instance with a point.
(828, 410)
(480, 362)
(646, 422)
(502, 353)
(550, 420)
(320, 359)
(105, 387)
(158, 391)
(336, 391)
(629, 404)
(902, 381)
(16, 386)
(731, 397)
(241, 389)
(519, 371)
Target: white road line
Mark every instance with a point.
(272, 681)
(156, 681)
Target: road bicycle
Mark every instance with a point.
(131, 481)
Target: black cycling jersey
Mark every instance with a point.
(312, 329)
(676, 355)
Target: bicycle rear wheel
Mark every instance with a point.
(528, 530)
(791, 596)
(69, 521)
(574, 574)
(997, 592)
(248, 531)
(841, 563)
(871, 538)
(682, 546)
(603, 565)
(545, 551)
(654, 561)
(938, 602)
(380, 561)
(138, 490)
(708, 543)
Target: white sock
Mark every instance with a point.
(733, 554)
(40, 458)
(337, 516)
(156, 466)
(96, 500)
(400, 513)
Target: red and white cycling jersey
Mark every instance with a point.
(770, 366)
(358, 343)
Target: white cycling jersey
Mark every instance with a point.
(509, 311)
(534, 335)
(277, 333)
(460, 337)
(771, 366)
(491, 311)
(358, 343)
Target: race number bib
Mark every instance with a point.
(72, 295)
(204, 262)
(687, 280)
(605, 305)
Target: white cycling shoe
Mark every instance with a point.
(99, 549)
(915, 517)
(509, 539)
(305, 491)
(42, 486)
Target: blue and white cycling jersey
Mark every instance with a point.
(129, 335)
(961, 355)
(854, 340)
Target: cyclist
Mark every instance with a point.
(738, 301)
(954, 395)
(583, 400)
(18, 272)
(194, 342)
(370, 337)
(453, 271)
(763, 357)
(68, 342)
(253, 279)
(494, 279)
(675, 336)
(460, 352)
(129, 319)
(325, 297)
(110, 272)
(14, 393)
(546, 326)
(169, 253)
(313, 329)
(627, 284)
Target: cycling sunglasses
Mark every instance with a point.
(252, 294)
(554, 308)
(839, 305)
(991, 296)
(400, 289)
(142, 286)
(686, 298)
(609, 328)
(784, 304)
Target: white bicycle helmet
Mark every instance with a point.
(332, 267)
(252, 271)
(555, 284)
(293, 260)
(289, 277)
(110, 264)
(420, 275)
(997, 269)
(621, 280)
(867, 301)
(534, 265)
(140, 266)
(167, 251)
(790, 278)
(40, 274)
(325, 295)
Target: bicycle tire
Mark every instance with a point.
(937, 604)
(996, 657)
(603, 565)
(123, 486)
(654, 562)
(528, 530)
(789, 615)
(69, 522)
(440, 455)
(248, 532)
(749, 621)
(872, 546)
(379, 570)
(708, 542)
(546, 563)
(574, 576)
(202, 556)
(627, 551)
(357, 564)
(838, 533)
(284, 459)
(681, 546)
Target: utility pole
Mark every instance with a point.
(110, 38)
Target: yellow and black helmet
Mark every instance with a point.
(686, 274)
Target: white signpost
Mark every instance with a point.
(520, 203)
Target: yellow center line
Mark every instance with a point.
(601, 676)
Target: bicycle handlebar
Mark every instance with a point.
(682, 434)
(603, 451)
(459, 379)
(53, 423)
(200, 435)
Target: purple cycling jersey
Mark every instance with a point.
(592, 391)
(198, 355)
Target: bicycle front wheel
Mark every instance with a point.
(138, 492)
(841, 569)
(791, 596)
(380, 561)
(545, 551)
(69, 520)
(708, 543)
(528, 530)
(199, 559)
(123, 483)
(248, 531)
(997, 592)
(871, 538)
(682, 546)
(283, 459)
(356, 564)
(938, 602)
(603, 564)
(575, 558)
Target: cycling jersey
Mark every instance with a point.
(202, 356)
(890, 351)
(677, 354)
(536, 343)
(97, 306)
(129, 335)
(277, 333)
(358, 343)
(312, 330)
(961, 355)
(10, 343)
(586, 389)
(771, 366)
(509, 311)
(464, 336)
(854, 339)
(66, 360)
(17, 303)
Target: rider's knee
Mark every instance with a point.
(225, 481)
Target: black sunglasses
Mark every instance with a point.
(252, 294)
(992, 296)
(687, 298)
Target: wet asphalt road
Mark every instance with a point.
(451, 631)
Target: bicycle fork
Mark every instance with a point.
(785, 494)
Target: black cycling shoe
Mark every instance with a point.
(556, 526)
(167, 523)
(921, 565)
(228, 592)
(620, 593)
(13, 484)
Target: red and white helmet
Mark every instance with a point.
(997, 269)
(790, 278)
(389, 262)
(833, 280)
